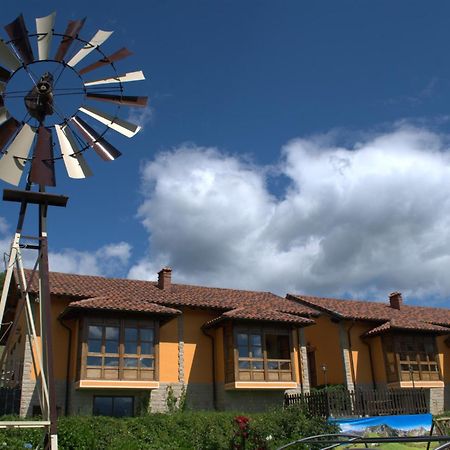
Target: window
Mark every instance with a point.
(119, 350)
(113, 406)
(411, 358)
(261, 355)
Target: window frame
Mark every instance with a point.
(106, 373)
(113, 398)
(266, 374)
(398, 360)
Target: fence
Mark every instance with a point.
(364, 402)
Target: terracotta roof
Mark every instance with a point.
(419, 318)
(114, 291)
(264, 315)
(403, 324)
(125, 304)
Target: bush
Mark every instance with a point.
(180, 430)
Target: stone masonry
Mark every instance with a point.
(345, 348)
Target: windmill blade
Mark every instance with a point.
(7, 130)
(125, 78)
(17, 31)
(116, 56)
(130, 100)
(43, 166)
(97, 40)
(13, 161)
(44, 29)
(76, 165)
(128, 129)
(72, 30)
(8, 58)
(101, 146)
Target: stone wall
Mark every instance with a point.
(248, 401)
(435, 400)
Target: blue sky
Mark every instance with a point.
(289, 146)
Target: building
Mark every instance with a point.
(121, 345)
(363, 344)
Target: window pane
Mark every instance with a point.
(256, 339)
(242, 339)
(112, 333)
(94, 360)
(243, 352)
(277, 346)
(122, 406)
(257, 352)
(130, 362)
(111, 362)
(146, 334)
(148, 363)
(103, 406)
(111, 347)
(131, 347)
(147, 348)
(94, 345)
(257, 365)
(244, 365)
(272, 365)
(95, 331)
(130, 334)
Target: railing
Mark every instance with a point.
(361, 402)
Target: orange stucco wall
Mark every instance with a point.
(197, 347)
(168, 351)
(360, 352)
(324, 339)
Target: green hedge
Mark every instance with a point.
(182, 430)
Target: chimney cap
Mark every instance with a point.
(395, 300)
(165, 278)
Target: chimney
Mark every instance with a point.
(395, 300)
(165, 278)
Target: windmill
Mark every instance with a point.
(27, 147)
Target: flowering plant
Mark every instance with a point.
(242, 432)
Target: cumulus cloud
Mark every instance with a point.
(359, 220)
(108, 260)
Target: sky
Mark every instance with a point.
(289, 146)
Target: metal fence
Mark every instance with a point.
(361, 402)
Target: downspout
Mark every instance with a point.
(69, 352)
(352, 365)
(372, 373)
(213, 354)
(300, 365)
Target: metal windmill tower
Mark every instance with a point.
(27, 146)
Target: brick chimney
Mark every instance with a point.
(395, 300)
(165, 278)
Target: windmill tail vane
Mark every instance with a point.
(27, 144)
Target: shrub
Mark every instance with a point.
(200, 430)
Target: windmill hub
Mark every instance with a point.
(39, 101)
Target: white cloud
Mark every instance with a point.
(362, 220)
(111, 259)
(141, 116)
(108, 260)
